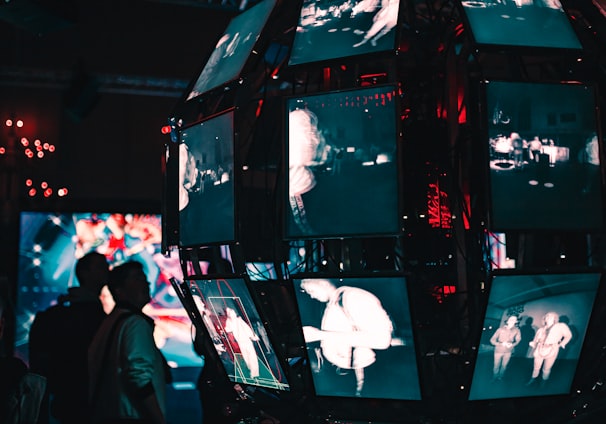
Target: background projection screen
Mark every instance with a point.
(237, 332)
(502, 373)
(543, 157)
(521, 23)
(359, 336)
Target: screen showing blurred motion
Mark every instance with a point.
(543, 156)
(330, 29)
(206, 182)
(238, 332)
(342, 164)
(233, 49)
(359, 336)
(51, 243)
(521, 23)
(534, 330)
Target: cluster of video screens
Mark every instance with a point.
(533, 333)
(543, 158)
(50, 245)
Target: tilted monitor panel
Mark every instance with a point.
(342, 175)
(544, 160)
(233, 49)
(359, 336)
(329, 29)
(49, 247)
(206, 182)
(533, 333)
(520, 23)
(238, 333)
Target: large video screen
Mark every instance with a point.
(359, 336)
(233, 49)
(533, 334)
(521, 23)
(342, 164)
(543, 156)
(206, 182)
(238, 333)
(333, 29)
(50, 245)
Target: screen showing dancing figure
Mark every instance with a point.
(533, 333)
(330, 29)
(206, 186)
(51, 243)
(238, 333)
(233, 49)
(359, 336)
(543, 156)
(342, 164)
(521, 23)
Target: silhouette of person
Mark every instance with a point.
(505, 339)
(128, 373)
(547, 342)
(59, 338)
(21, 391)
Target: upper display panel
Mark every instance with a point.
(543, 157)
(333, 29)
(342, 164)
(520, 23)
(233, 49)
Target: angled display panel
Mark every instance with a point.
(534, 330)
(331, 29)
(520, 23)
(359, 336)
(342, 164)
(51, 243)
(543, 157)
(233, 49)
(206, 182)
(238, 333)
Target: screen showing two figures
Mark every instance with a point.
(534, 330)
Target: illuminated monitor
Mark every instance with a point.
(520, 23)
(543, 156)
(342, 175)
(359, 336)
(330, 29)
(51, 243)
(206, 182)
(233, 49)
(533, 333)
(238, 333)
